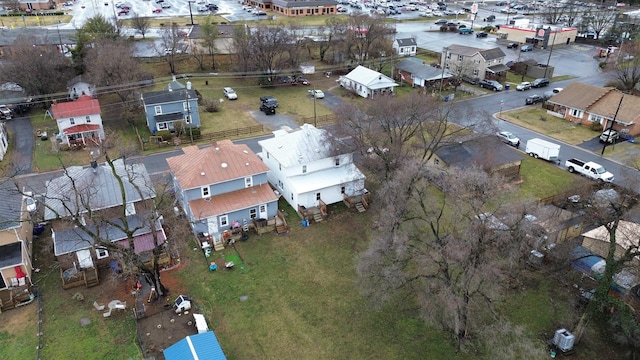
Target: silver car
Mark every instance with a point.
(508, 138)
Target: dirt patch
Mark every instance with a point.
(15, 321)
(161, 330)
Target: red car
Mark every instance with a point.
(157, 11)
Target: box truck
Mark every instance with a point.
(543, 149)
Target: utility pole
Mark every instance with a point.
(190, 13)
(445, 54)
(610, 127)
(555, 33)
(190, 122)
(315, 116)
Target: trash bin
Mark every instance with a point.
(506, 86)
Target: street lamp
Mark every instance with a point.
(191, 13)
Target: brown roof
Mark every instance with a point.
(487, 54)
(221, 162)
(490, 54)
(579, 95)
(233, 201)
(608, 105)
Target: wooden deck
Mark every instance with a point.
(277, 223)
(358, 202)
(87, 277)
(317, 213)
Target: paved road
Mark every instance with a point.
(22, 136)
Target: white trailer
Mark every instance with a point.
(543, 149)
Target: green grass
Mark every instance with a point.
(537, 119)
(543, 179)
(303, 301)
(18, 333)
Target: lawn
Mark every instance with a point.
(537, 119)
(542, 179)
(18, 330)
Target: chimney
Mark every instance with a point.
(188, 85)
(215, 144)
(94, 166)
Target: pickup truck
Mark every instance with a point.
(589, 169)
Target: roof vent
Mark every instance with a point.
(202, 173)
(224, 165)
(217, 149)
(245, 151)
(247, 164)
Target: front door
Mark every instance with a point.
(262, 211)
(84, 259)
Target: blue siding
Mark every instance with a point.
(173, 107)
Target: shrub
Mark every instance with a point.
(595, 126)
(211, 105)
(164, 134)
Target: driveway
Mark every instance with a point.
(21, 131)
(274, 122)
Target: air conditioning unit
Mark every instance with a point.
(564, 340)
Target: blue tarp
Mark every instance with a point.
(203, 346)
(583, 260)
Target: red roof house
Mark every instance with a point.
(79, 122)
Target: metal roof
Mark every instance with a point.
(301, 146)
(11, 207)
(203, 346)
(10, 255)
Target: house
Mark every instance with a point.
(627, 237)
(78, 86)
(306, 172)
(405, 47)
(203, 346)
(222, 187)
(33, 6)
(466, 61)
(367, 83)
(16, 240)
(587, 104)
(93, 195)
(415, 73)
(4, 140)
(483, 151)
(173, 109)
(79, 122)
(295, 7)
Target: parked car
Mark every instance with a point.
(540, 82)
(166, 6)
(465, 31)
(123, 12)
(523, 86)
(230, 94)
(491, 85)
(533, 99)
(318, 94)
(30, 202)
(508, 138)
(610, 136)
(512, 45)
(589, 169)
(490, 18)
(5, 112)
(269, 100)
(157, 11)
(525, 48)
(482, 35)
(557, 90)
(441, 22)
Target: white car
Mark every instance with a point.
(523, 86)
(30, 202)
(5, 112)
(508, 138)
(230, 94)
(318, 94)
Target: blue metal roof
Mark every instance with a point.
(203, 346)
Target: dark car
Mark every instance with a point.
(465, 31)
(540, 82)
(490, 18)
(525, 48)
(491, 85)
(482, 35)
(512, 45)
(267, 109)
(533, 99)
(269, 100)
(441, 22)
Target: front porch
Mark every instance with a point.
(82, 135)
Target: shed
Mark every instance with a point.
(203, 346)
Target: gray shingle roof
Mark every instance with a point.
(10, 255)
(484, 150)
(488, 54)
(167, 96)
(11, 207)
(406, 42)
(84, 187)
(302, 3)
(492, 54)
(421, 70)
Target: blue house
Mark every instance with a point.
(173, 108)
(221, 187)
(204, 346)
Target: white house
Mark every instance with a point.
(367, 83)
(77, 87)
(405, 47)
(304, 170)
(79, 122)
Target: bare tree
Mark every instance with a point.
(628, 70)
(268, 48)
(170, 41)
(140, 23)
(600, 20)
(210, 35)
(40, 70)
(110, 64)
(241, 39)
(334, 31)
(389, 130)
(447, 248)
(362, 32)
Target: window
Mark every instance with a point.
(158, 109)
(267, 155)
(304, 169)
(595, 118)
(280, 185)
(447, 66)
(476, 72)
(460, 57)
(317, 196)
(248, 182)
(101, 253)
(280, 167)
(448, 55)
(88, 119)
(436, 161)
(205, 192)
(576, 227)
(253, 213)
(72, 121)
(224, 220)
(185, 106)
(337, 161)
(342, 190)
(187, 119)
(162, 126)
(130, 209)
(576, 113)
(263, 208)
(476, 61)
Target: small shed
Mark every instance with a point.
(203, 346)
